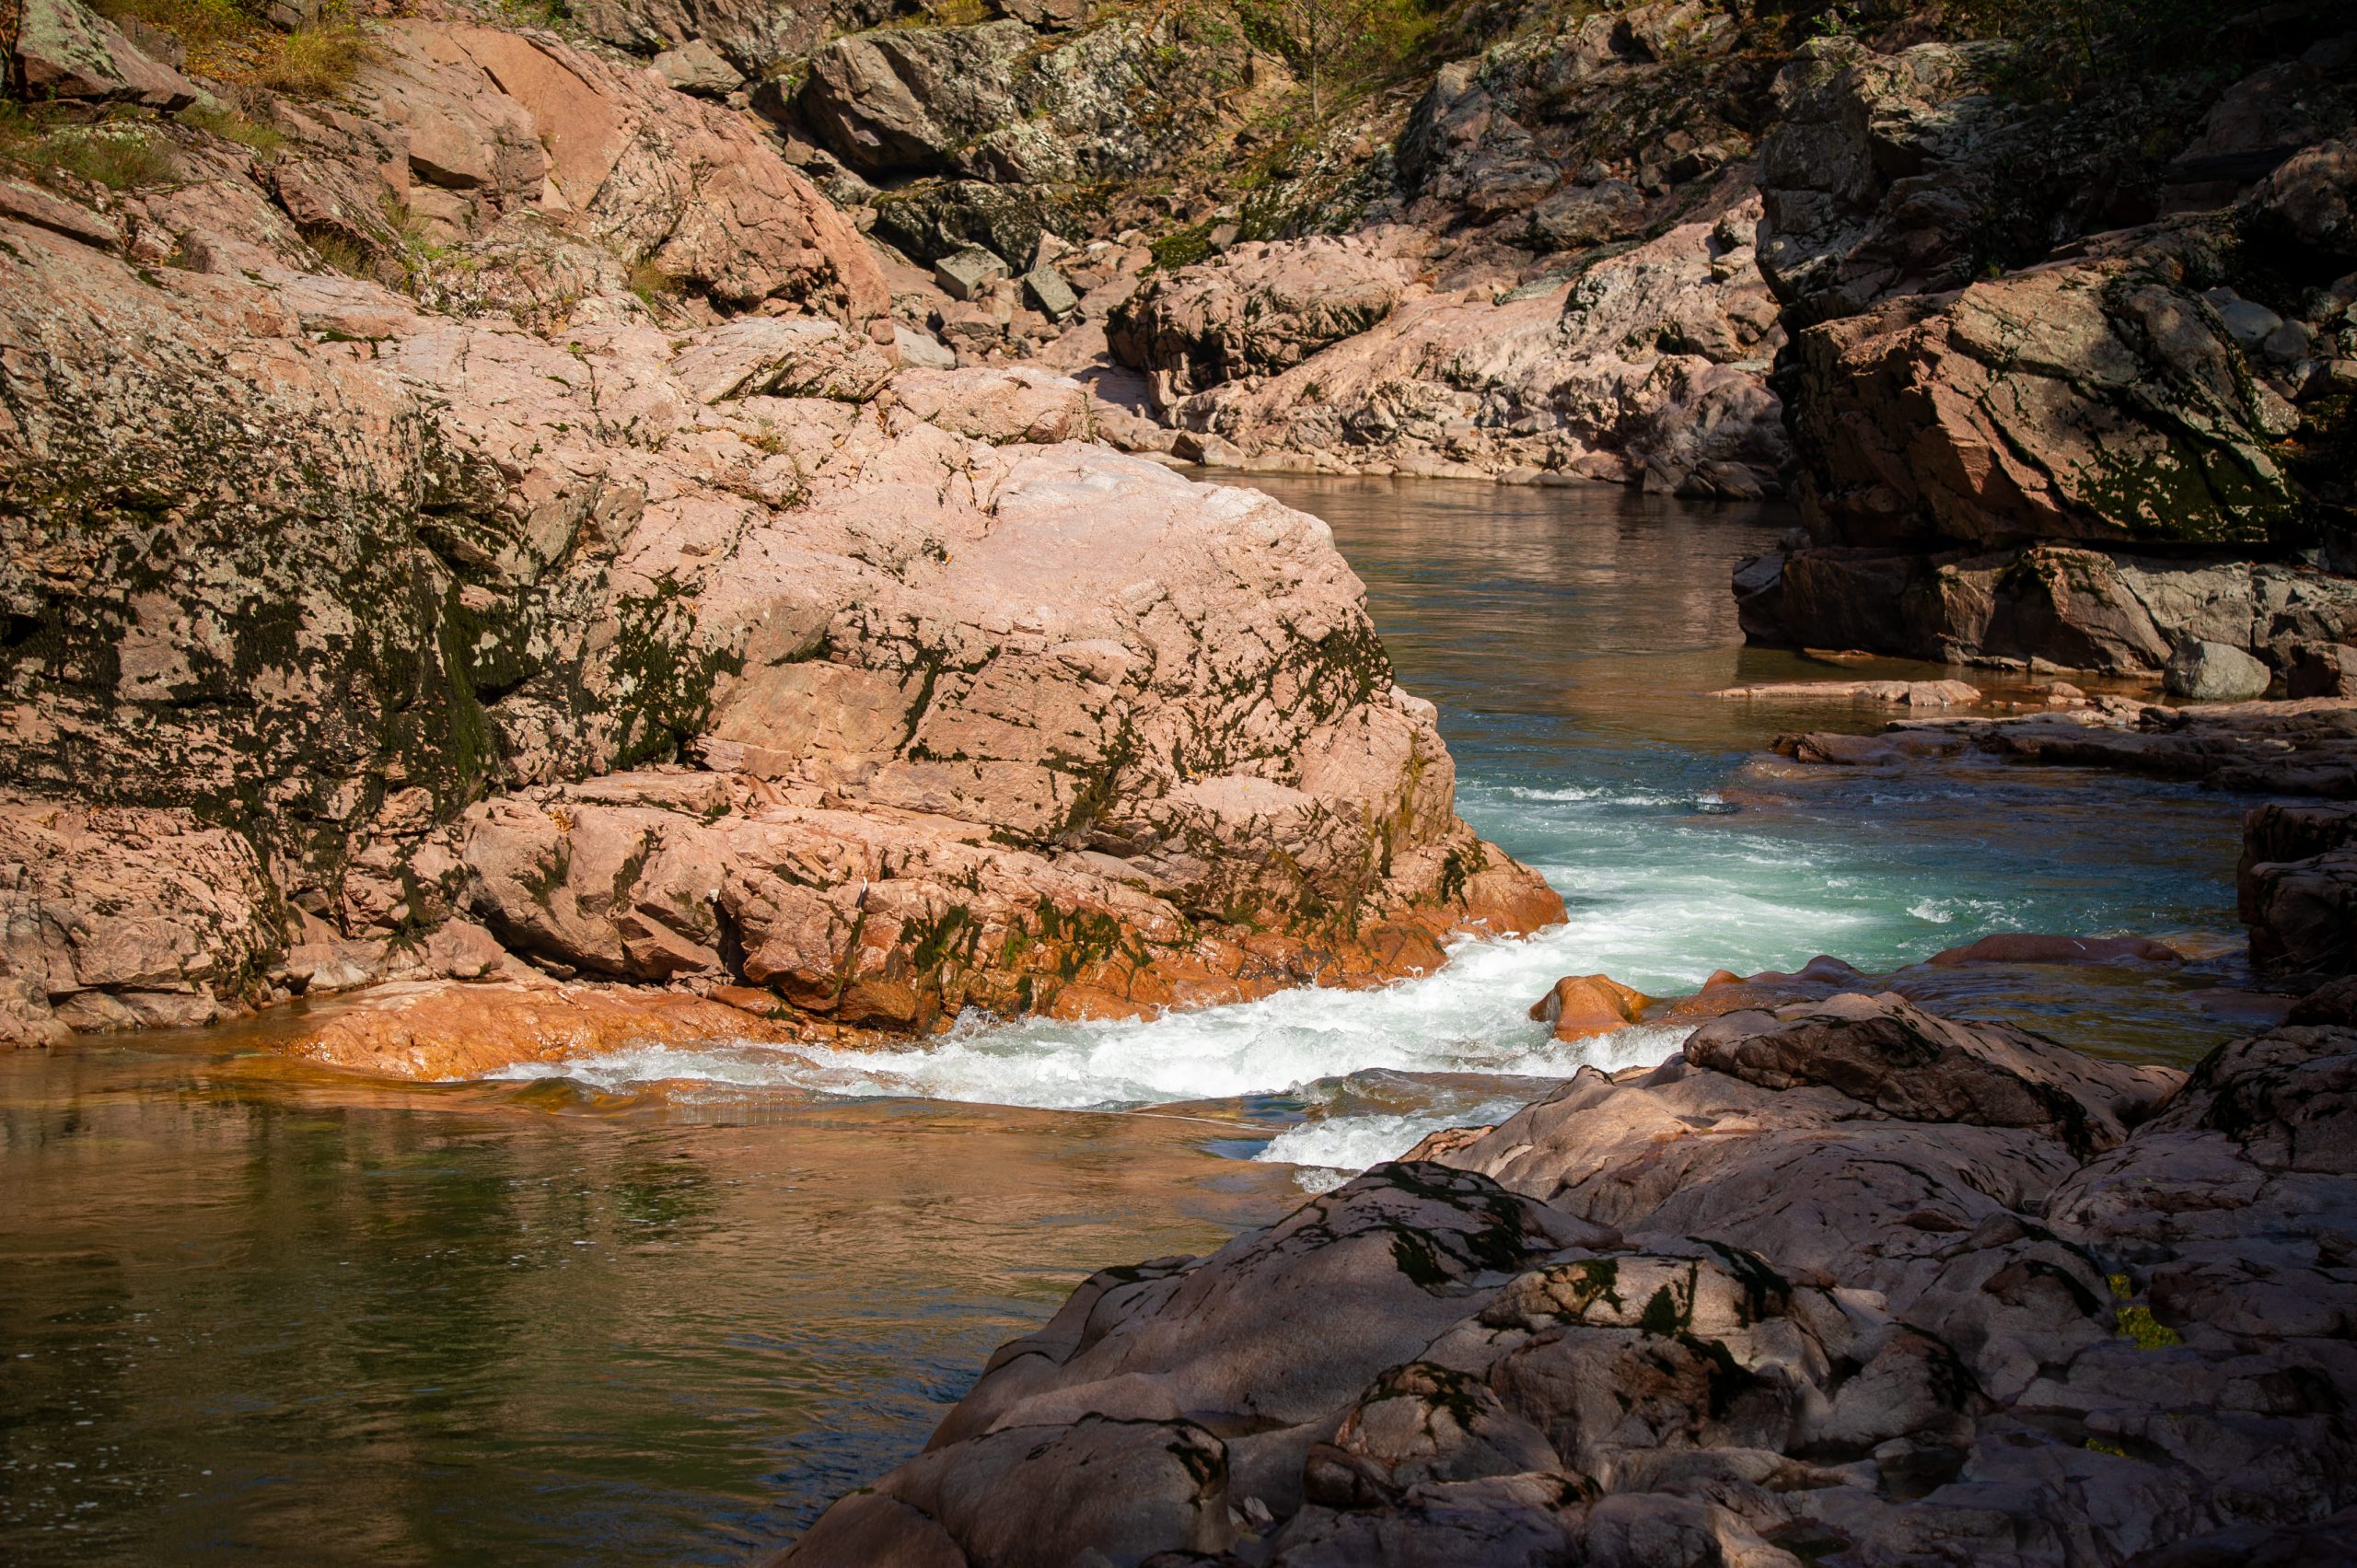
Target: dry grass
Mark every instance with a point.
(231, 44)
(229, 125)
(316, 62)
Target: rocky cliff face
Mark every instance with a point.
(1959, 295)
(482, 528)
(1973, 371)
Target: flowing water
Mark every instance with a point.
(659, 1306)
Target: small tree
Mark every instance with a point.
(1321, 40)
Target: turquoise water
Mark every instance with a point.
(662, 1307)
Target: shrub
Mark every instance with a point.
(1338, 46)
(119, 156)
(316, 62)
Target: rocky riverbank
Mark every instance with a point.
(510, 406)
(401, 585)
(1842, 1280)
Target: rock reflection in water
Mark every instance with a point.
(257, 1313)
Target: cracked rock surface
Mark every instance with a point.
(1841, 1281)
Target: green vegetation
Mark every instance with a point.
(232, 126)
(2143, 1331)
(1341, 48)
(535, 13)
(113, 153)
(655, 288)
(2069, 47)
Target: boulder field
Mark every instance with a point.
(392, 591)
(1840, 1282)
(2049, 343)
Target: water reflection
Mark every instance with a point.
(261, 1316)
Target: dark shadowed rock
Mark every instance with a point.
(2027, 948)
(1803, 1314)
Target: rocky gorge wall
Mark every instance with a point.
(1968, 292)
(2063, 459)
(399, 586)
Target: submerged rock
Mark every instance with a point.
(1891, 694)
(2307, 747)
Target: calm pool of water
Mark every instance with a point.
(664, 1306)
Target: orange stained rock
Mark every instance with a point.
(468, 1031)
(1584, 1004)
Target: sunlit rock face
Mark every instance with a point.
(971, 714)
(2050, 387)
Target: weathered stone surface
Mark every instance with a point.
(552, 161)
(2213, 672)
(424, 1031)
(1957, 378)
(1047, 289)
(2321, 669)
(127, 918)
(902, 102)
(2026, 408)
(374, 579)
(1888, 693)
(2311, 201)
(24, 204)
(1584, 128)
(997, 101)
(1256, 310)
(1235, 1341)
(1908, 1065)
(1844, 1278)
(2282, 747)
(1017, 403)
(698, 67)
(1046, 15)
(966, 272)
(777, 356)
(2050, 606)
(63, 50)
(1648, 369)
(752, 35)
(2030, 948)
(1874, 175)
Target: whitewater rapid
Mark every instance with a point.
(1660, 890)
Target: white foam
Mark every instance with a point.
(1467, 1018)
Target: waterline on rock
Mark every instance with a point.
(1469, 1016)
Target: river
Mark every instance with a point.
(660, 1306)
